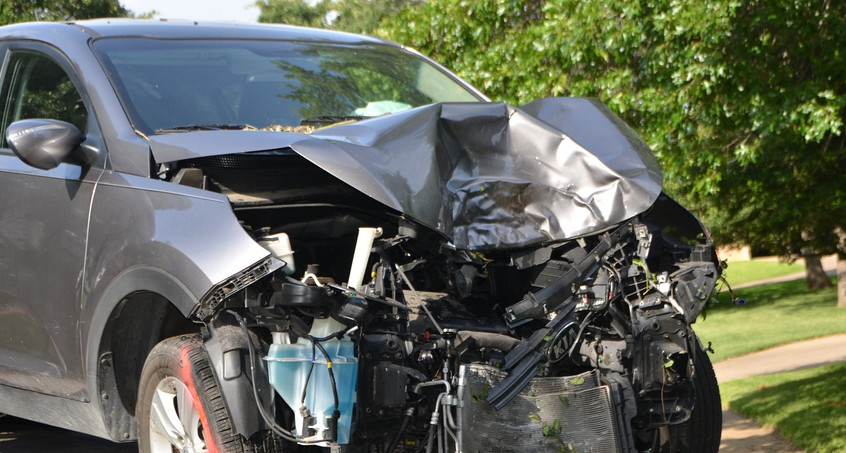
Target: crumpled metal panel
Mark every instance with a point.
(486, 175)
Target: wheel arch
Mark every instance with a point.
(140, 308)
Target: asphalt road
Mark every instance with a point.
(23, 436)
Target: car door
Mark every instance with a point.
(43, 227)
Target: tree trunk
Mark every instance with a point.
(815, 274)
(841, 280)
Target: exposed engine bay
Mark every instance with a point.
(372, 331)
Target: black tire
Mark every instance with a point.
(702, 432)
(179, 390)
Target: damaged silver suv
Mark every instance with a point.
(231, 238)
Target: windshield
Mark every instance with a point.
(170, 85)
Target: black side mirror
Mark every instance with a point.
(41, 143)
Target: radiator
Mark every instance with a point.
(552, 414)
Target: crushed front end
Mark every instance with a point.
(493, 301)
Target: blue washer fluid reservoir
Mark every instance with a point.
(288, 366)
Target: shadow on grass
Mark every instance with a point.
(788, 295)
(774, 314)
(807, 407)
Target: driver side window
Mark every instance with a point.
(35, 86)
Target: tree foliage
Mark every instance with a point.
(357, 16)
(12, 11)
(743, 102)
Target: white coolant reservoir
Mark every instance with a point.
(279, 245)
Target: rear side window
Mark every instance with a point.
(35, 86)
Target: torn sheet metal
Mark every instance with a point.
(486, 175)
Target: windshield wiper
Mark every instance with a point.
(331, 119)
(204, 127)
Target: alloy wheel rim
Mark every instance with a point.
(175, 422)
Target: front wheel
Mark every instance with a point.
(180, 407)
(702, 432)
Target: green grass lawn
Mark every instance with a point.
(739, 272)
(774, 314)
(807, 407)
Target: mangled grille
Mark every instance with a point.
(232, 285)
(573, 413)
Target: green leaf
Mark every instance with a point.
(669, 363)
(551, 430)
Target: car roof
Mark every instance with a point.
(183, 29)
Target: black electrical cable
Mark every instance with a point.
(336, 414)
(339, 334)
(403, 426)
(579, 334)
(308, 376)
(617, 275)
(278, 430)
(381, 300)
(328, 367)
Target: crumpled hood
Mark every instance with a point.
(486, 175)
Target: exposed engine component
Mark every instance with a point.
(578, 346)
(403, 328)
